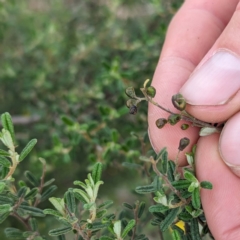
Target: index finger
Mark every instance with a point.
(192, 32)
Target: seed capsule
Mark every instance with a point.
(151, 91)
(160, 123)
(130, 92)
(133, 109)
(179, 102)
(184, 142)
(184, 126)
(174, 118)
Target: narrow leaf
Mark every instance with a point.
(52, 212)
(158, 208)
(117, 228)
(141, 209)
(162, 151)
(145, 189)
(70, 201)
(31, 194)
(105, 204)
(60, 231)
(131, 165)
(8, 124)
(33, 211)
(206, 185)
(164, 162)
(205, 131)
(68, 121)
(195, 229)
(171, 170)
(106, 238)
(14, 233)
(2, 186)
(49, 182)
(33, 224)
(4, 153)
(101, 213)
(127, 205)
(196, 201)
(189, 176)
(169, 219)
(181, 184)
(5, 162)
(128, 228)
(48, 192)
(5, 208)
(97, 172)
(27, 149)
(4, 216)
(58, 203)
(22, 192)
(31, 179)
(176, 235)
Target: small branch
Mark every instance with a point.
(173, 189)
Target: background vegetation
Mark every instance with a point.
(73, 59)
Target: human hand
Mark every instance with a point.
(201, 60)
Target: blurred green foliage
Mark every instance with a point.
(67, 63)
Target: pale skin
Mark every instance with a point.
(199, 30)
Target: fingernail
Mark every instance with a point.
(230, 142)
(215, 81)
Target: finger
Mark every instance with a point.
(191, 34)
(213, 88)
(229, 144)
(221, 204)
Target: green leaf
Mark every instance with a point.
(169, 219)
(31, 194)
(98, 225)
(4, 153)
(105, 204)
(171, 170)
(27, 149)
(101, 213)
(206, 185)
(49, 182)
(97, 172)
(82, 193)
(33, 211)
(4, 216)
(196, 201)
(158, 208)
(7, 123)
(6, 200)
(79, 197)
(88, 206)
(195, 229)
(162, 151)
(68, 121)
(190, 159)
(6, 139)
(131, 165)
(5, 208)
(127, 205)
(33, 224)
(117, 228)
(48, 192)
(58, 203)
(189, 175)
(31, 179)
(60, 231)
(5, 162)
(22, 192)
(128, 228)
(176, 235)
(145, 189)
(181, 184)
(70, 201)
(185, 216)
(52, 212)
(141, 209)
(14, 233)
(2, 186)
(164, 162)
(193, 186)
